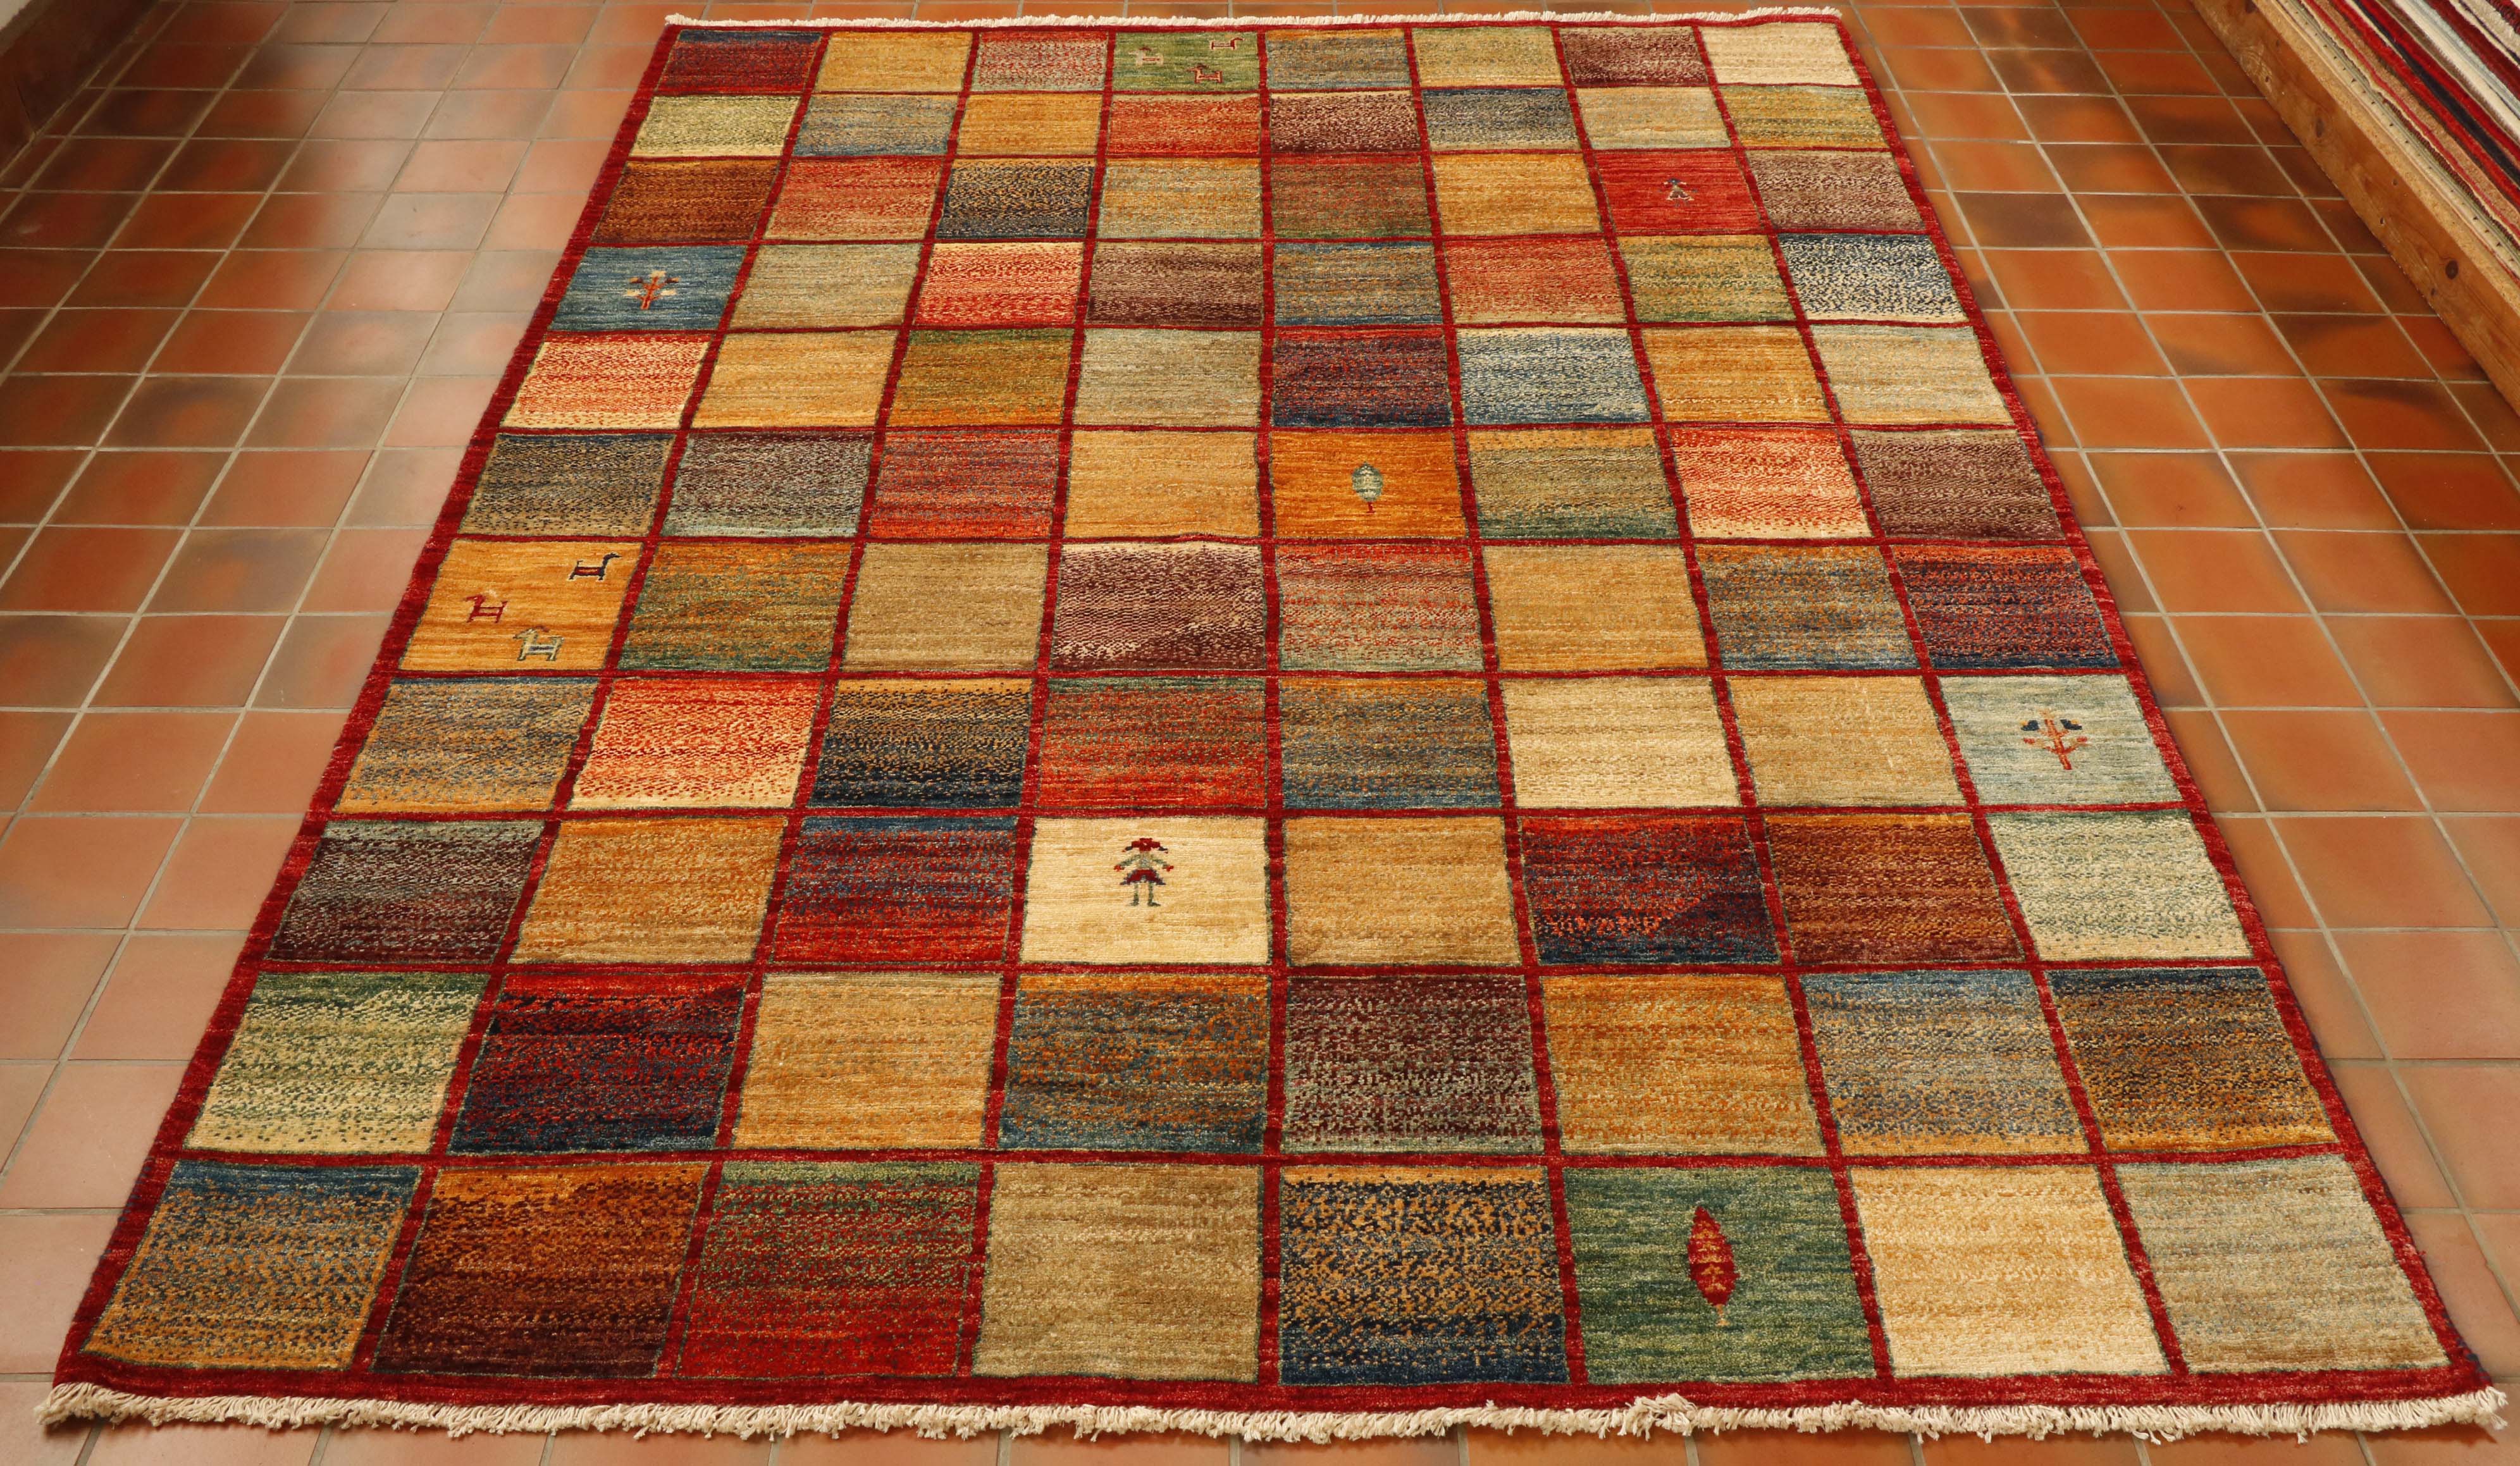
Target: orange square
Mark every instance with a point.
(1327, 485)
(1032, 284)
(1786, 483)
(1553, 280)
(1735, 373)
(1185, 126)
(857, 198)
(609, 381)
(696, 742)
(522, 605)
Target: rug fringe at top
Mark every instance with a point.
(1248, 22)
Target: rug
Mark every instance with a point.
(1302, 729)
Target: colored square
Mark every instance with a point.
(1156, 484)
(2115, 886)
(1636, 611)
(1486, 56)
(924, 744)
(386, 891)
(1817, 606)
(1683, 1064)
(1802, 116)
(446, 747)
(827, 285)
(1940, 1063)
(1366, 197)
(694, 743)
(680, 890)
(1374, 892)
(1356, 285)
(1169, 379)
(1152, 608)
(1710, 277)
(1493, 118)
(1548, 279)
(1028, 122)
(1735, 373)
(1571, 483)
(2056, 741)
(1148, 889)
(763, 605)
(1180, 197)
(503, 605)
(1386, 743)
(1184, 61)
(1987, 608)
(811, 379)
(1376, 608)
(715, 127)
(741, 61)
(982, 377)
(1122, 1271)
(1024, 200)
(1409, 1064)
(1343, 122)
(609, 381)
(338, 1062)
(2277, 1264)
(1872, 741)
(959, 484)
(2017, 1270)
(1391, 377)
(869, 1061)
(1651, 55)
(813, 1269)
(896, 60)
(1101, 1061)
(1177, 284)
(899, 888)
(1617, 742)
(1776, 484)
(859, 127)
(1365, 484)
(946, 609)
(669, 202)
(1658, 118)
(1701, 191)
(1804, 53)
(1040, 60)
(1789, 1309)
(1154, 742)
(2188, 1058)
(1365, 1298)
(1515, 193)
(857, 198)
(1182, 126)
(600, 1063)
(1550, 375)
(578, 484)
(758, 483)
(1955, 485)
(561, 1272)
(1869, 276)
(256, 1267)
(1835, 191)
(1890, 890)
(1311, 60)
(650, 288)
(1644, 888)
(1910, 374)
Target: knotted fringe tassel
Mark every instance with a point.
(1247, 23)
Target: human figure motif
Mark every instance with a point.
(1140, 866)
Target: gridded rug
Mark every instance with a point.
(1295, 730)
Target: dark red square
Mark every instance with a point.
(740, 60)
(900, 889)
(1154, 742)
(1697, 192)
(965, 485)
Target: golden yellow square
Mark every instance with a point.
(869, 1061)
(896, 60)
(1843, 740)
(1180, 197)
(522, 605)
(698, 742)
(1011, 124)
(1593, 607)
(1381, 892)
(827, 285)
(715, 127)
(671, 889)
(1316, 482)
(1515, 193)
(1910, 374)
(1150, 485)
(982, 377)
(1683, 1064)
(1653, 116)
(1786, 483)
(609, 381)
(2001, 1271)
(1735, 373)
(805, 378)
(1613, 742)
(1486, 56)
(1087, 898)
(960, 607)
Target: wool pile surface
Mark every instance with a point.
(1305, 731)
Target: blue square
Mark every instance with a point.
(1138, 1063)
(841, 125)
(1869, 276)
(1555, 376)
(650, 288)
(1486, 118)
(1387, 743)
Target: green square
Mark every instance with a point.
(1185, 61)
(338, 1064)
(456, 745)
(1705, 278)
(1791, 1312)
(764, 607)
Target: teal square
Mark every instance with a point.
(1185, 61)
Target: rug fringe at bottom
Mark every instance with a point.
(1669, 1412)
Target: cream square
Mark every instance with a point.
(1653, 116)
(1148, 889)
(2116, 886)
(1788, 53)
(1612, 743)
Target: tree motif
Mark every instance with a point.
(1710, 1262)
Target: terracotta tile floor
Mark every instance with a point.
(260, 278)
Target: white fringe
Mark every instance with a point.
(1667, 1412)
(1247, 23)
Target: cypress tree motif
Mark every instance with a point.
(1710, 1262)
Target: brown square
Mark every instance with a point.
(674, 203)
(1888, 889)
(1162, 284)
(1342, 122)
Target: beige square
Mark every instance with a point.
(656, 890)
(869, 1061)
(1126, 1272)
(1910, 374)
(1010, 124)
(1486, 56)
(1781, 483)
(1682, 1064)
(1653, 116)
(1843, 740)
(1778, 53)
(2011, 1270)
(957, 607)
(827, 285)
(1155, 484)
(1170, 378)
(1735, 373)
(609, 381)
(1515, 193)
(1612, 742)
(896, 60)
(715, 127)
(1593, 607)
(1212, 903)
(807, 378)
(1377, 892)
(504, 606)
(2109, 886)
